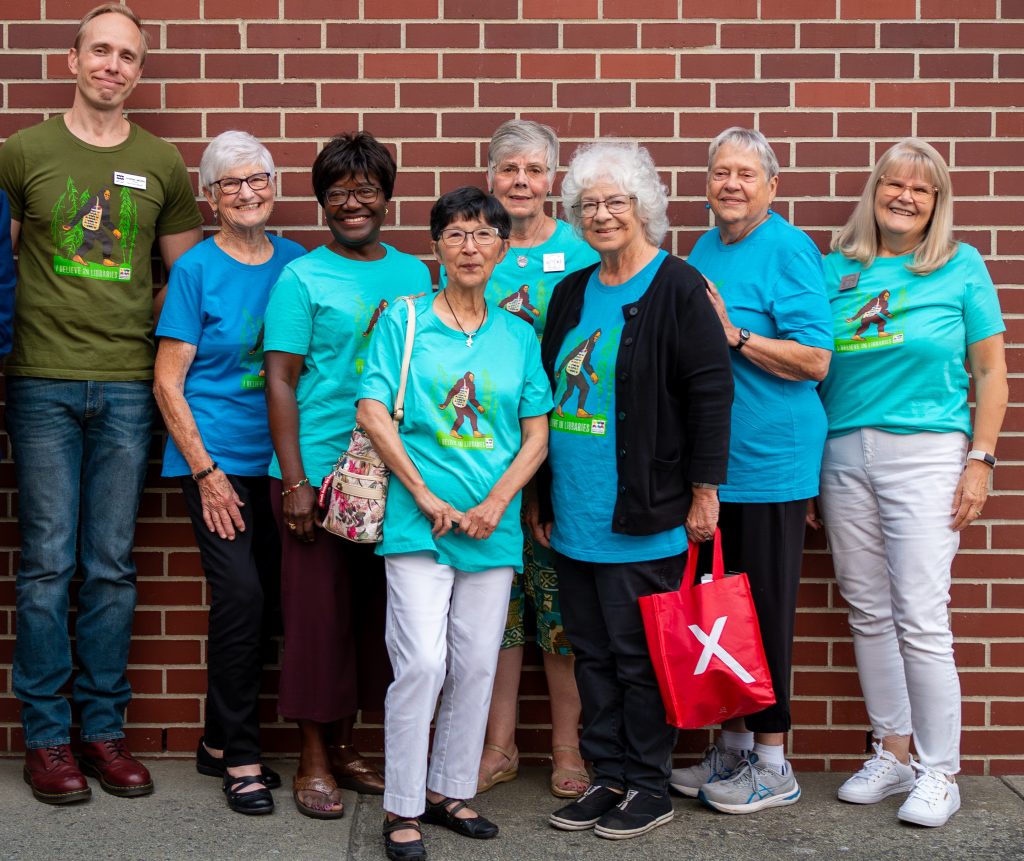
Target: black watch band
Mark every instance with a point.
(744, 337)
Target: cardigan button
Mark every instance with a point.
(622, 415)
(633, 311)
(628, 341)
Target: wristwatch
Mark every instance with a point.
(744, 337)
(984, 456)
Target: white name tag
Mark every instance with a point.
(554, 262)
(129, 179)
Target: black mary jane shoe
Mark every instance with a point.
(259, 802)
(411, 850)
(208, 764)
(440, 814)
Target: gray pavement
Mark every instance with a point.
(188, 819)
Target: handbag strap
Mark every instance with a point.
(403, 378)
(717, 565)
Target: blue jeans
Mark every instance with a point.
(80, 451)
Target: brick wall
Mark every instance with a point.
(831, 82)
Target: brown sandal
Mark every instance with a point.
(504, 775)
(326, 787)
(560, 775)
(353, 771)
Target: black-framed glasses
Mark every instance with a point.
(920, 192)
(455, 238)
(363, 194)
(616, 205)
(232, 184)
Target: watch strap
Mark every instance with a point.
(983, 456)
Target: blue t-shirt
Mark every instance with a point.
(581, 448)
(217, 303)
(461, 427)
(525, 290)
(772, 284)
(326, 307)
(901, 342)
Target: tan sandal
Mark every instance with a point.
(488, 781)
(324, 786)
(560, 775)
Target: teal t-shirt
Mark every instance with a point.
(773, 285)
(461, 427)
(523, 282)
(581, 448)
(217, 303)
(325, 308)
(901, 342)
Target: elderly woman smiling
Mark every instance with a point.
(768, 289)
(639, 438)
(209, 386)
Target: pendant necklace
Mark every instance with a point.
(469, 335)
(521, 259)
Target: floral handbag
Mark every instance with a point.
(354, 494)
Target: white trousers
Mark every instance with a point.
(886, 501)
(443, 631)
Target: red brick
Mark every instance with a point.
(981, 741)
(790, 123)
(477, 124)
(439, 154)
(758, 36)
(918, 36)
(993, 35)
(164, 65)
(1008, 184)
(198, 36)
(39, 95)
(633, 124)
(716, 66)
(677, 35)
(482, 65)
(798, 10)
(1009, 595)
(1006, 655)
(390, 10)
(875, 124)
(262, 125)
(283, 35)
(161, 710)
(837, 36)
(827, 94)
(403, 65)
(1001, 624)
(607, 95)
(26, 10)
(707, 124)
(639, 9)
(529, 36)
(392, 125)
(568, 124)
(671, 95)
(912, 95)
(357, 95)
(60, 36)
(849, 713)
(996, 94)
(496, 9)
(366, 36)
(279, 95)
(446, 36)
(829, 741)
(219, 95)
(636, 66)
(316, 68)
(955, 10)
(957, 65)
(599, 35)
(959, 122)
(1011, 9)
(857, 65)
(416, 95)
(186, 681)
(345, 9)
(561, 9)
(163, 651)
(801, 65)
(553, 67)
(877, 9)
(1011, 65)
(751, 95)
(244, 9)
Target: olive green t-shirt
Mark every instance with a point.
(89, 219)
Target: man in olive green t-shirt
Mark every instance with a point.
(91, 194)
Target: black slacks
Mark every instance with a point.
(239, 573)
(624, 730)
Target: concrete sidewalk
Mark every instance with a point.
(187, 819)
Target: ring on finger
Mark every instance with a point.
(291, 525)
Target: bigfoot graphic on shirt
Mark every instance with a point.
(81, 221)
(873, 310)
(253, 374)
(462, 398)
(518, 303)
(575, 364)
(874, 313)
(380, 309)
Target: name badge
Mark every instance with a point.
(554, 262)
(130, 180)
(848, 282)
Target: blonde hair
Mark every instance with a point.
(859, 238)
(116, 9)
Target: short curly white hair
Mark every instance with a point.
(627, 165)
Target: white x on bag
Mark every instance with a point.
(712, 648)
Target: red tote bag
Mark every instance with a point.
(705, 644)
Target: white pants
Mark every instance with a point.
(444, 627)
(886, 501)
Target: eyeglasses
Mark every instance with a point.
(363, 194)
(455, 238)
(615, 206)
(894, 188)
(231, 185)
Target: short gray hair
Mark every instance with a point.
(230, 149)
(515, 137)
(627, 165)
(750, 139)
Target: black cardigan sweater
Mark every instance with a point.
(673, 395)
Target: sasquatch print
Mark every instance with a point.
(518, 303)
(575, 363)
(94, 216)
(874, 312)
(376, 316)
(462, 396)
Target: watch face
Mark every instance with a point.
(744, 334)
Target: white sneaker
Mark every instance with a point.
(881, 776)
(932, 800)
(716, 765)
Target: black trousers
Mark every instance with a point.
(766, 540)
(239, 573)
(624, 730)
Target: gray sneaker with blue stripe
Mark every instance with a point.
(752, 786)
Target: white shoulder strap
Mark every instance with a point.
(410, 332)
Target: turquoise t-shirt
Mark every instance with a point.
(326, 307)
(581, 448)
(901, 342)
(216, 303)
(461, 427)
(773, 285)
(525, 290)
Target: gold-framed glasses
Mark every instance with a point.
(455, 238)
(919, 191)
